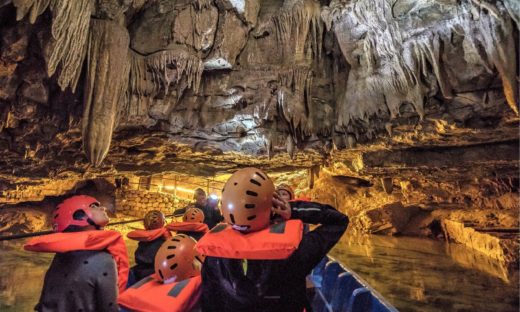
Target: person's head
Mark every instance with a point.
(177, 259)
(285, 191)
(78, 213)
(200, 197)
(247, 200)
(212, 201)
(193, 215)
(153, 220)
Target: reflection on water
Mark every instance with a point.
(413, 274)
(423, 275)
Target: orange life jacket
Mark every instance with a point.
(188, 227)
(150, 294)
(110, 241)
(276, 242)
(148, 235)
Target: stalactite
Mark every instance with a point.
(294, 100)
(105, 86)
(495, 34)
(298, 26)
(70, 24)
(202, 4)
(391, 67)
(155, 67)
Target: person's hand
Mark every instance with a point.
(281, 207)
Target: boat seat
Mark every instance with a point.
(317, 272)
(360, 301)
(325, 276)
(345, 285)
(330, 276)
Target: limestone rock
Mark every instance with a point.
(390, 219)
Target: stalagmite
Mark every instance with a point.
(105, 86)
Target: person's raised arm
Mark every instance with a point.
(317, 243)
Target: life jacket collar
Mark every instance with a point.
(276, 242)
(148, 235)
(110, 241)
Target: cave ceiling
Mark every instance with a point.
(372, 87)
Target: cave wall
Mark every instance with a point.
(137, 203)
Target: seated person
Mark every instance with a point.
(85, 255)
(175, 286)
(192, 224)
(150, 240)
(255, 265)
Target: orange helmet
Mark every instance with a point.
(193, 215)
(247, 200)
(177, 259)
(153, 220)
(287, 188)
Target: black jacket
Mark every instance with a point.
(195, 235)
(212, 215)
(145, 258)
(273, 285)
(80, 281)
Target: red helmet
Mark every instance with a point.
(64, 212)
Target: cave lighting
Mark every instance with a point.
(178, 188)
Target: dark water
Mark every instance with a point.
(413, 274)
(417, 274)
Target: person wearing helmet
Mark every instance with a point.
(209, 206)
(285, 192)
(85, 255)
(192, 224)
(253, 264)
(150, 239)
(175, 286)
(200, 200)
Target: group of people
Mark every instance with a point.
(252, 254)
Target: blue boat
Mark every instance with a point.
(338, 289)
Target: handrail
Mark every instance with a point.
(25, 235)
